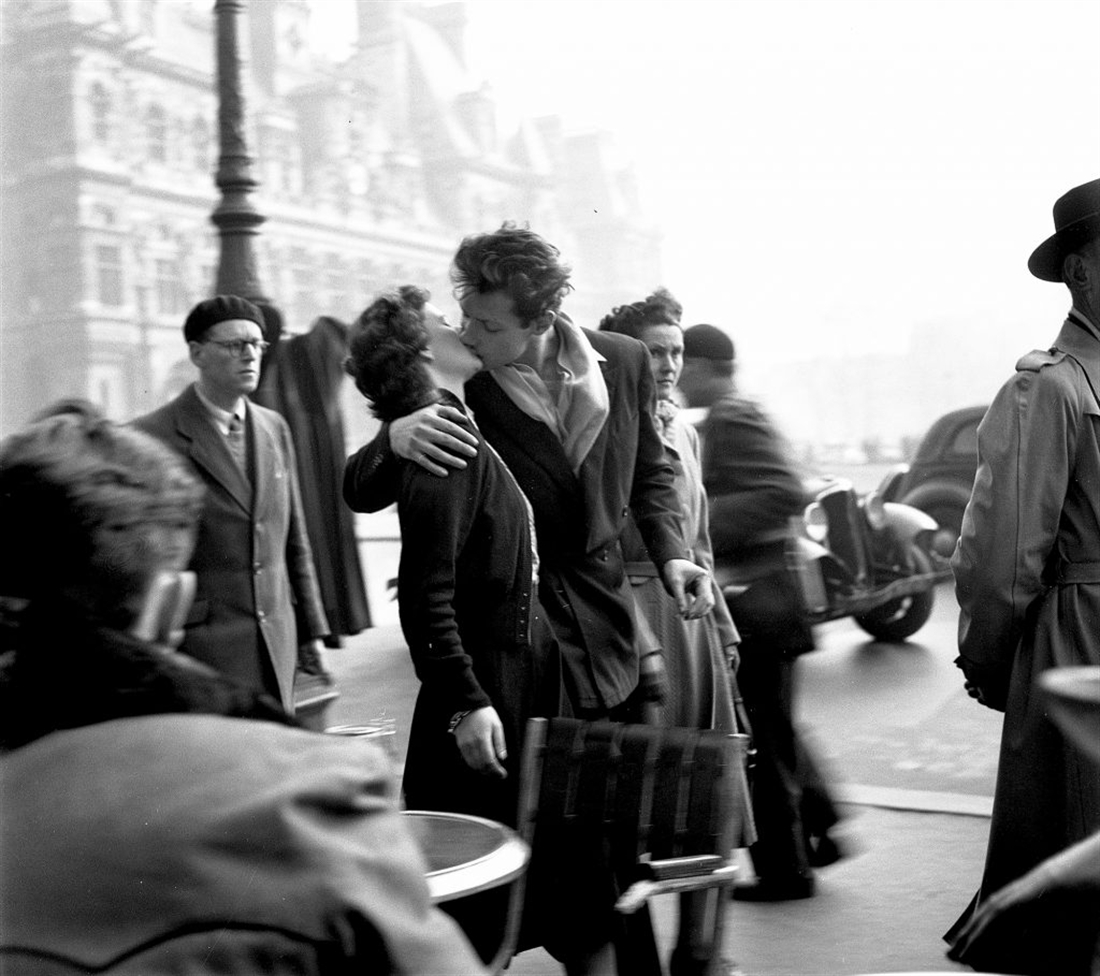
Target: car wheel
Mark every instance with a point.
(949, 519)
(903, 617)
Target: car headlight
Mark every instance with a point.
(875, 510)
(816, 522)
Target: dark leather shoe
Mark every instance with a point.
(822, 851)
(783, 889)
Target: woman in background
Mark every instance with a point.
(699, 655)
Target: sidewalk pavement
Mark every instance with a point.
(914, 860)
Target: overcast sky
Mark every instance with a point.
(827, 173)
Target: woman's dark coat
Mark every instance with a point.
(474, 626)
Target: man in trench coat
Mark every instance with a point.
(1027, 566)
(257, 594)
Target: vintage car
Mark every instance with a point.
(861, 556)
(939, 479)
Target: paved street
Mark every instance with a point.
(895, 716)
(912, 757)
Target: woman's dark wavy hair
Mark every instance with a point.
(80, 500)
(516, 261)
(660, 308)
(385, 346)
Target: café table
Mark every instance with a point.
(466, 854)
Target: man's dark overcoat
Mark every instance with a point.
(1027, 578)
(252, 556)
(303, 382)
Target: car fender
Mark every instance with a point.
(891, 484)
(906, 522)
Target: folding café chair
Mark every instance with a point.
(663, 806)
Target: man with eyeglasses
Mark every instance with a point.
(257, 611)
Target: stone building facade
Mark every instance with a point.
(371, 170)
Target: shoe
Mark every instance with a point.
(766, 889)
(683, 964)
(823, 851)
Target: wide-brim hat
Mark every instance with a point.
(1076, 221)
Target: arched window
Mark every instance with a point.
(156, 132)
(100, 100)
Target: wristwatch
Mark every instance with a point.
(456, 719)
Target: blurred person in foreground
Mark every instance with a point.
(699, 655)
(470, 613)
(159, 816)
(754, 489)
(1027, 565)
(570, 413)
(257, 614)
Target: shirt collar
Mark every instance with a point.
(220, 416)
(1083, 319)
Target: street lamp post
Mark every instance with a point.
(237, 219)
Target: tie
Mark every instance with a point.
(236, 443)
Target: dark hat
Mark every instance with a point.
(707, 342)
(220, 308)
(1076, 222)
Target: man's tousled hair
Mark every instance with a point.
(516, 261)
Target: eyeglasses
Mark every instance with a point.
(236, 347)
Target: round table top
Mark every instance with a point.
(466, 854)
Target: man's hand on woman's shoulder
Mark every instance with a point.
(433, 437)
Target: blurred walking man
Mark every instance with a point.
(257, 593)
(1027, 567)
(753, 489)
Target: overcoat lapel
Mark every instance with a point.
(528, 436)
(264, 456)
(592, 468)
(208, 450)
(1083, 347)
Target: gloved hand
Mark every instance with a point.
(986, 684)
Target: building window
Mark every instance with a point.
(200, 139)
(156, 132)
(169, 288)
(100, 100)
(108, 274)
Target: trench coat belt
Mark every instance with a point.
(1083, 572)
(645, 568)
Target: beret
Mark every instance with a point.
(220, 308)
(707, 342)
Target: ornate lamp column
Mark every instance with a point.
(236, 218)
